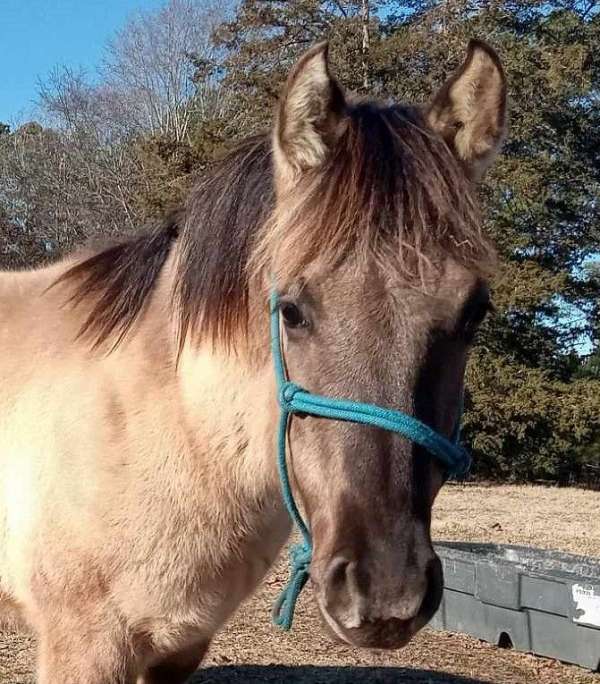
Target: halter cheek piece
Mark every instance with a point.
(294, 399)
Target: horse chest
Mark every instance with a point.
(199, 576)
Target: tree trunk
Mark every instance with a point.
(365, 10)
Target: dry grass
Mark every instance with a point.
(250, 650)
(548, 517)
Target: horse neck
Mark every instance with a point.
(224, 405)
(232, 402)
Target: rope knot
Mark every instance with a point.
(283, 610)
(287, 393)
(300, 557)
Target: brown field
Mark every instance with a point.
(251, 650)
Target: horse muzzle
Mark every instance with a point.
(362, 610)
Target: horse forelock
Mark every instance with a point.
(390, 191)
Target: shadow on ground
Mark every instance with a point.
(325, 675)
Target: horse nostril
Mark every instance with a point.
(343, 596)
(335, 578)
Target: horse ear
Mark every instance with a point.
(470, 109)
(310, 116)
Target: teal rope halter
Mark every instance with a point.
(294, 399)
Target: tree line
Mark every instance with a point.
(180, 85)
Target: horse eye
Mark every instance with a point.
(292, 316)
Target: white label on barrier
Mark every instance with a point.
(587, 604)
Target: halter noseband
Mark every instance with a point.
(294, 399)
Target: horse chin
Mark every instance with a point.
(379, 635)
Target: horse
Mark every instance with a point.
(140, 499)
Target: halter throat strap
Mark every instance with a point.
(294, 399)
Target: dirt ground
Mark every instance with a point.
(251, 650)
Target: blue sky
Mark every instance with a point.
(36, 35)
